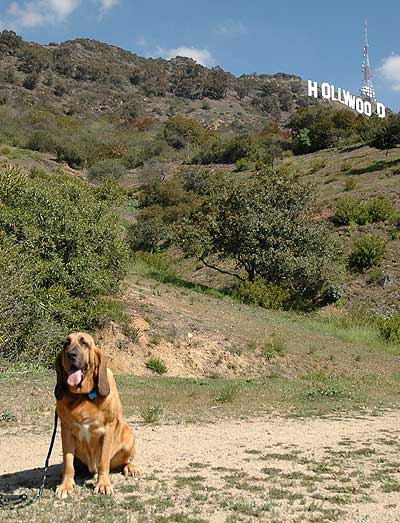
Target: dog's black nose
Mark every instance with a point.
(72, 355)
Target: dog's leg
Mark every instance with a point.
(103, 482)
(66, 487)
(124, 457)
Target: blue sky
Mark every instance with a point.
(317, 40)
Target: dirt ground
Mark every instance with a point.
(278, 469)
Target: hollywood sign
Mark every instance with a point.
(329, 92)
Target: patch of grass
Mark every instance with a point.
(133, 503)
(228, 393)
(157, 365)
(249, 508)
(391, 485)
(276, 347)
(179, 517)
(189, 481)
(271, 471)
(350, 185)
(7, 416)
(131, 332)
(152, 413)
(325, 391)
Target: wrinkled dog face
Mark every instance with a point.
(78, 348)
(81, 367)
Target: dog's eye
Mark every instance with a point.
(67, 342)
(83, 341)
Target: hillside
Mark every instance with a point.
(144, 145)
(87, 78)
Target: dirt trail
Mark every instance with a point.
(344, 469)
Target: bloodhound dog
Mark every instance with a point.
(92, 427)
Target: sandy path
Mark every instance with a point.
(168, 450)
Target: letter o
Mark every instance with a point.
(326, 91)
(359, 105)
(367, 108)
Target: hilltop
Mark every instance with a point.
(85, 77)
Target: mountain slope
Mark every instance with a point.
(89, 77)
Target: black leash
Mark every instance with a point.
(11, 501)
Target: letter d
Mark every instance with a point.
(380, 110)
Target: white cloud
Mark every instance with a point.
(36, 13)
(201, 56)
(230, 28)
(106, 5)
(390, 71)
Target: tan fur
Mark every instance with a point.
(91, 430)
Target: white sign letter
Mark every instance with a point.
(359, 106)
(349, 99)
(381, 110)
(367, 108)
(326, 91)
(312, 89)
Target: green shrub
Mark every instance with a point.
(149, 231)
(242, 165)
(346, 166)
(350, 184)
(348, 210)
(157, 365)
(353, 210)
(368, 251)
(375, 276)
(264, 294)
(228, 393)
(62, 251)
(276, 347)
(152, 413)
(390, 328)
(379, 209)
(317, 165)
(107, 169)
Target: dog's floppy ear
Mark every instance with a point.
(60, 386)
(103, 387)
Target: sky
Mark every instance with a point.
(317, 40)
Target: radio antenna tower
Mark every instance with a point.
(367, 90)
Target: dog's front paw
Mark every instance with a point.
(65, 489)
(131, 470)
(103, 487)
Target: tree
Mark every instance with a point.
(387, 134)
(321, 129)
(265, 226)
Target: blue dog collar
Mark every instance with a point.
(92, 395)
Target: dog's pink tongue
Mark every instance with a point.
(74, 378)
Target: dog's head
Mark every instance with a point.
(81, 367)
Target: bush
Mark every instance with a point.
(149, 231)
(107, 169)
(64, 251)
(368, 251)
(348, 210)
(152, 413)
(379, 209)
(350, 184)
(386, 135)
(390, 328)
(242, 165)
(157, 365)
(353, 210)
(275, 347)
(30, 81)
(264, 294)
